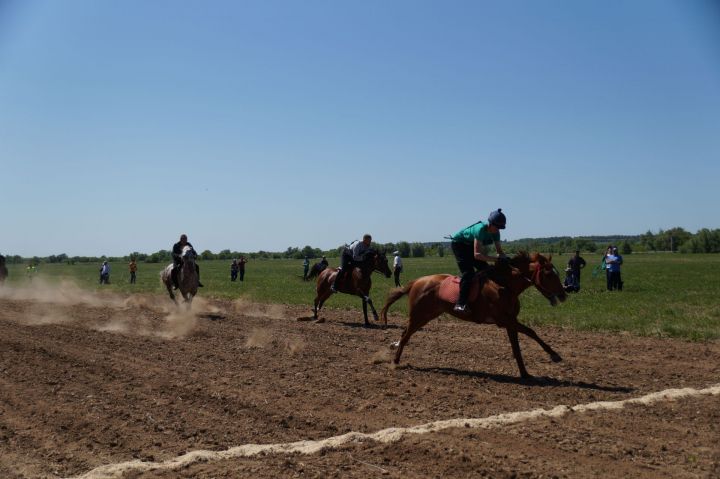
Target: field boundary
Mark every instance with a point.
(388, 435)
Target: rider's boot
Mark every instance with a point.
(197, 270)
(334, 286)
(174, 277)
(465, 283)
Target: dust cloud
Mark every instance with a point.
(140, 314)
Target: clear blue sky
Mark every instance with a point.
(268, 124)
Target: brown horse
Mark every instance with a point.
(187, 277)
(357, 283)
(497, 302)
(3, 270)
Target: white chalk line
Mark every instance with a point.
(388, 435)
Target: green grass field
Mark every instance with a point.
(666, 295)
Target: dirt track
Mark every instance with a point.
(89, 382)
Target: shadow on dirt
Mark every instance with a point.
(540, 381)
(371, 326)
(212, 317)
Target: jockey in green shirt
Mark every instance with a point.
(469, 245)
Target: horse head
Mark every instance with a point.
(381, 264)
(188, 254)
(546, 278)
(376, 261)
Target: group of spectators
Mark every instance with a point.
(610, 263)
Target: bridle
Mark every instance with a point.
(535, 279)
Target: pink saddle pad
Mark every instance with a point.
(450, 289)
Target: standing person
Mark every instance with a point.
(306, 268)
(576, 263)
(469, 245)
(133, 270)
(105, 273)
(234, 269)
(613, 262)
(241, 267)
(397, 268)
(177, 260)
(351, 256)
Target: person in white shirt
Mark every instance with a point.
(397, 268)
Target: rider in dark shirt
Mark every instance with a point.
(177, 260)
(351, 257)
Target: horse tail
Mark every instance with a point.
(393, 296)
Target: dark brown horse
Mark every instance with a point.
(3, 270)
(496, 303)
(357, 283)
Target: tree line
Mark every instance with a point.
(672, 240)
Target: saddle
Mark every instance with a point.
(450, 289)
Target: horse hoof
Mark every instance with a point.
(555, 358)
(319, 320)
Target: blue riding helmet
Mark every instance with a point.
(497, 218)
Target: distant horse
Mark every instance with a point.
(187, 276)
(356, 282)
(3, 270)
(496, 302)
(316, 269)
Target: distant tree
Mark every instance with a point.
(207, 255)
(404, 249)
(441, 250)
(626, 248)
(418, 250)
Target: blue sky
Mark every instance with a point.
(268, 124)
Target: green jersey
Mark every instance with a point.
(479, 231)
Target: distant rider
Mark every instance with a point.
(177, 261)
(351, 256)
(469, 245)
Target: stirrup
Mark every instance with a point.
(461, 308)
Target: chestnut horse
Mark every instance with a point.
(356, 282)
(497, 302)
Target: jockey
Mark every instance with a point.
(177, 260)
(469, 245)
(351, 256)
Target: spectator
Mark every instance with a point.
(613, 260)
(30, 271)
(572, 282)
(133, 271)
(105, 273)
(306, 268)
(576, 263)
(234, 269)
(241, 267)
(397, 267)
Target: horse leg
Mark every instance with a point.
(521, 328)
(513, 336)
(170, 292)
(372, 307)
(365, 303)
(415, 322)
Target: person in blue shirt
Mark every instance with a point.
(469, 245)
(613, 260)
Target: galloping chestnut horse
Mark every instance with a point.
(357, 283)
(497, 302)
